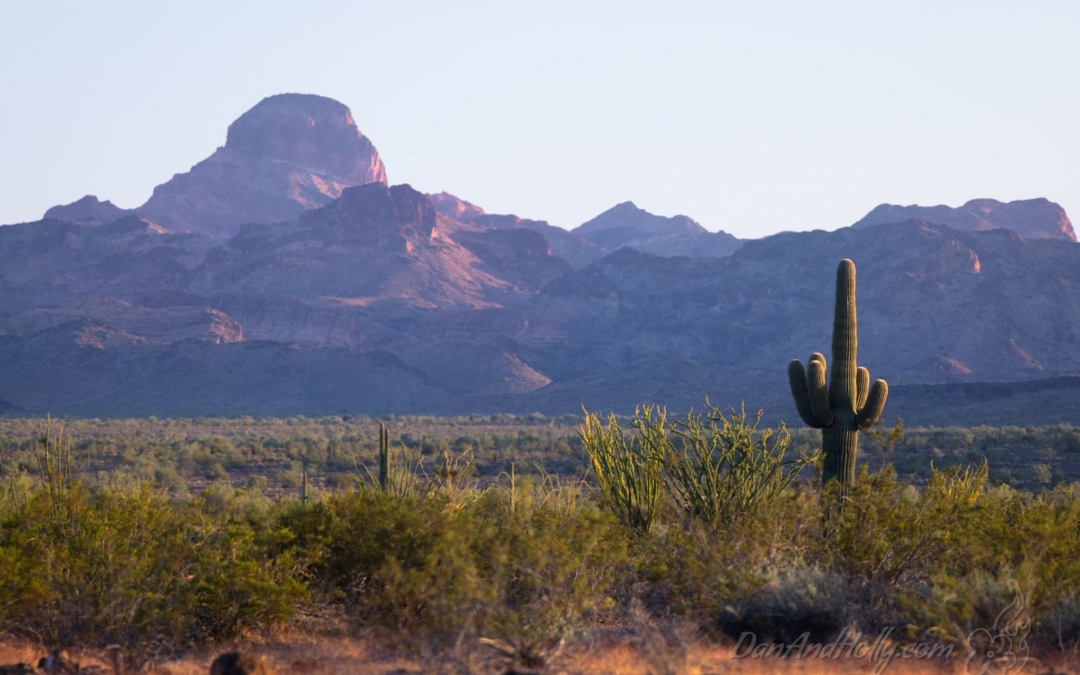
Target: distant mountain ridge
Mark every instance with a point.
(1030, 218)
(284, 275)
(87, 211)
(627, 225)
(623, 225)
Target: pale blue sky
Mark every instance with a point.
(753, 117)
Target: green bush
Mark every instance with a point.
(136, 569)
(629, 471)
(726, 470)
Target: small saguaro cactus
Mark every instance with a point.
(849, 403)
(384, 455)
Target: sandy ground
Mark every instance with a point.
(643, 655)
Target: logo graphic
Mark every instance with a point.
(1003, 647)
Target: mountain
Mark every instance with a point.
(573, 248)
(374, 278)
(285, 276)
(376, 288)
(90, 369)
(627, 225)
(1030, 218)
(288, 154)
(87, 211)
(622, 225)
(53, 264)
(935, 306)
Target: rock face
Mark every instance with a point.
(288, 154)
(935, 305)
(1030, 218)
(626, 225)
(573, 248)
(87, 211)
(373, 245)
(152, 325)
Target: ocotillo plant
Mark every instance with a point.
(849, 403)
(384, 455)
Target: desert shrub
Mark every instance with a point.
(525, 563)
(629, 472)
(795, 599)
(1024, 551)
(134, 568)
(726, 470)
(552, 564)
(690, 572)
(885, 532)
(403, 562)
(704, 518)
(709, 466)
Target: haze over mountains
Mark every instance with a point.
(285, 275)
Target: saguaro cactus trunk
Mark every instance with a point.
(849, 403)
(384, 455)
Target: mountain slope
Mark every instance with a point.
(935, 305)
(288, 154)
(573, 248)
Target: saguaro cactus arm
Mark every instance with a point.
(819, 390)
(800, 392)
(875, 403)
(862, 387)
(810, 391)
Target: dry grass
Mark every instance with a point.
(647, 651)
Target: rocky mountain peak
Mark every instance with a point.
(310, 132)
(627, 225)
(456, 208)
(377, 207)
(1030, 218)
(87, 211)
(288, 154)
(628, 215)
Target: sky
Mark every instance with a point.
(750, 117)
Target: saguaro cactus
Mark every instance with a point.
(384, 455)
(849, 403)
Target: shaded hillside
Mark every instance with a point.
(935, 305)
(91, 369)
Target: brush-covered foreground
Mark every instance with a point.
(715, 532)
(643, 650)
